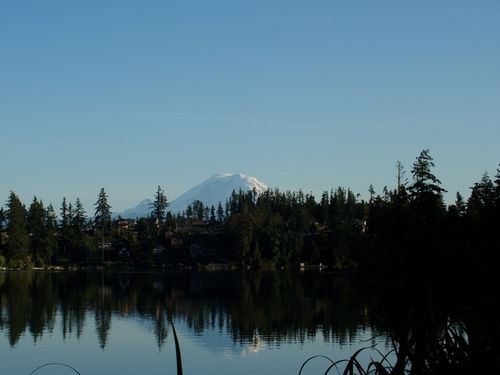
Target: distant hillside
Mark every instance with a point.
(143, 209)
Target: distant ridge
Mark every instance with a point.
(143, 209)
(215, 189)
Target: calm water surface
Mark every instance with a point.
(234, 323)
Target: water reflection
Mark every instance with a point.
(254, 309)
(245, 314)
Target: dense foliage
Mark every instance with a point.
(409, 226)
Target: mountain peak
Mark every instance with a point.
(222, 174)
(215, 189)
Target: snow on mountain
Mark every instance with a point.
(217, 188)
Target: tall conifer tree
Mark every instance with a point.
(18, 245)
(425, 183)
(38, 231)
(64, 226)
(51, 228)
(159, 206)
(78, 218)
(220, 213)
(102, 217)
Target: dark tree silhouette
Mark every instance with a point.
(102, 217)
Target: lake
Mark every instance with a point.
(118, 323)
(227, 323)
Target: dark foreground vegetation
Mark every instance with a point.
(408, 226)
(442, 325)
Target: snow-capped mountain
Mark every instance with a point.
(216, 189)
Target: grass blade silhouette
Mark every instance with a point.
(54, 364)
(177, 350)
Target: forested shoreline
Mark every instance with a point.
(407, 226)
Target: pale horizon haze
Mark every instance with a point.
(311, 95)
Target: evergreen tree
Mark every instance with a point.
(102, 217)
(64, 226)
(36, 224)
(460, 205)
(189, 211)
(51, 229)
(159, 206)
(18, 245)
(387, 194)
(425, 184)
(64, 214)
(212, 215)
(78, 217)
(325, 208)
(427, 209)
(71, 230)
(371, 191)
(198, 209)
(78, 220)
(220, 213)
(482, 196)
(170, 220)
(482, 225)
(206, 214)
(401, 180)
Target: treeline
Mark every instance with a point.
(37, 236)
(407, 226)
(33, 236)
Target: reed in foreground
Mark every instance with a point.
(452, 353)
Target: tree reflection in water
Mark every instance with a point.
(276, 306)
(260, 308)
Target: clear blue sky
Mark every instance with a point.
(128, 95)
